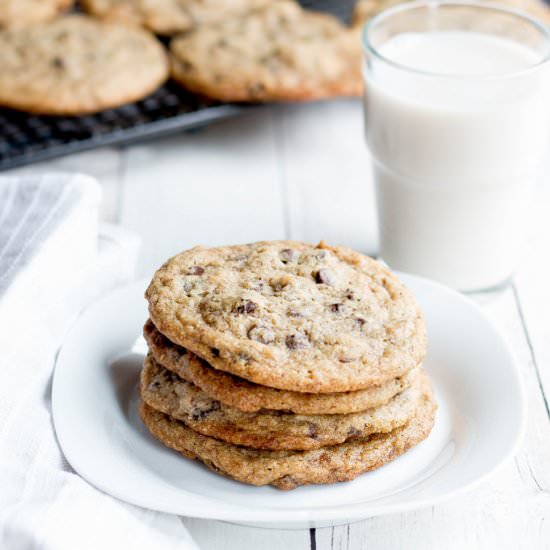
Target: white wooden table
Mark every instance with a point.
(302, 172)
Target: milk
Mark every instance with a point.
(455, 155)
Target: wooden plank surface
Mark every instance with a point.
(533, 288)
(325, 173)
(228, 536)
(302, 172)
(217, 186)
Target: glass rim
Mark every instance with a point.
(488, 6)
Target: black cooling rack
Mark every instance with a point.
(29, 138)
(25, 138)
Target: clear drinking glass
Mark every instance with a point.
(457, 120)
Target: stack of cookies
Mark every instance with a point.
(284, 363)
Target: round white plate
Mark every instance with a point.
(480, 422)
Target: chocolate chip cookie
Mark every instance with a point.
(19, 13)
(75, 65)
(290, 469)
(249, 397)
(170, 16)
(280, 52)
(290, 315)
(275, 430)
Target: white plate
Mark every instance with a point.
(479, 424)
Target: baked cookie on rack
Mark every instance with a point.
(76, 64)
(168, 17)
(20, 13)
(277, 53)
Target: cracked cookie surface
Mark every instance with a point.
(76, 65)
(17, 13)
(290, 469)
(280, 52)
(274, 430)
(290, 315)
(250, 397)
(170, 16)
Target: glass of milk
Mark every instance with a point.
(457, 119)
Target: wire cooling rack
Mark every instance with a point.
(26, 138)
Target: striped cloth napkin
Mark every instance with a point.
(52, 264)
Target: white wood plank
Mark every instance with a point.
(218, 186)
(217, 535)
(103, 164)
(533, 286)
(326, 173)
(510, 510)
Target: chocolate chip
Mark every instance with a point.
(261, 334)
(336, 308)
(58, 63)
(188, 286)
(313, 431)
(196, 270)
(295, 313)
(201, 413)
(297, 341)
(215, 352)
(350, 295)
(256, 88)
(288, 255)
(325, 276)
(360, 321)
(172, 377)
(287, 482)
(246, 308)
(185, 65)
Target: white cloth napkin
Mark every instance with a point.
(51, 265)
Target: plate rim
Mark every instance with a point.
(356, 511)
